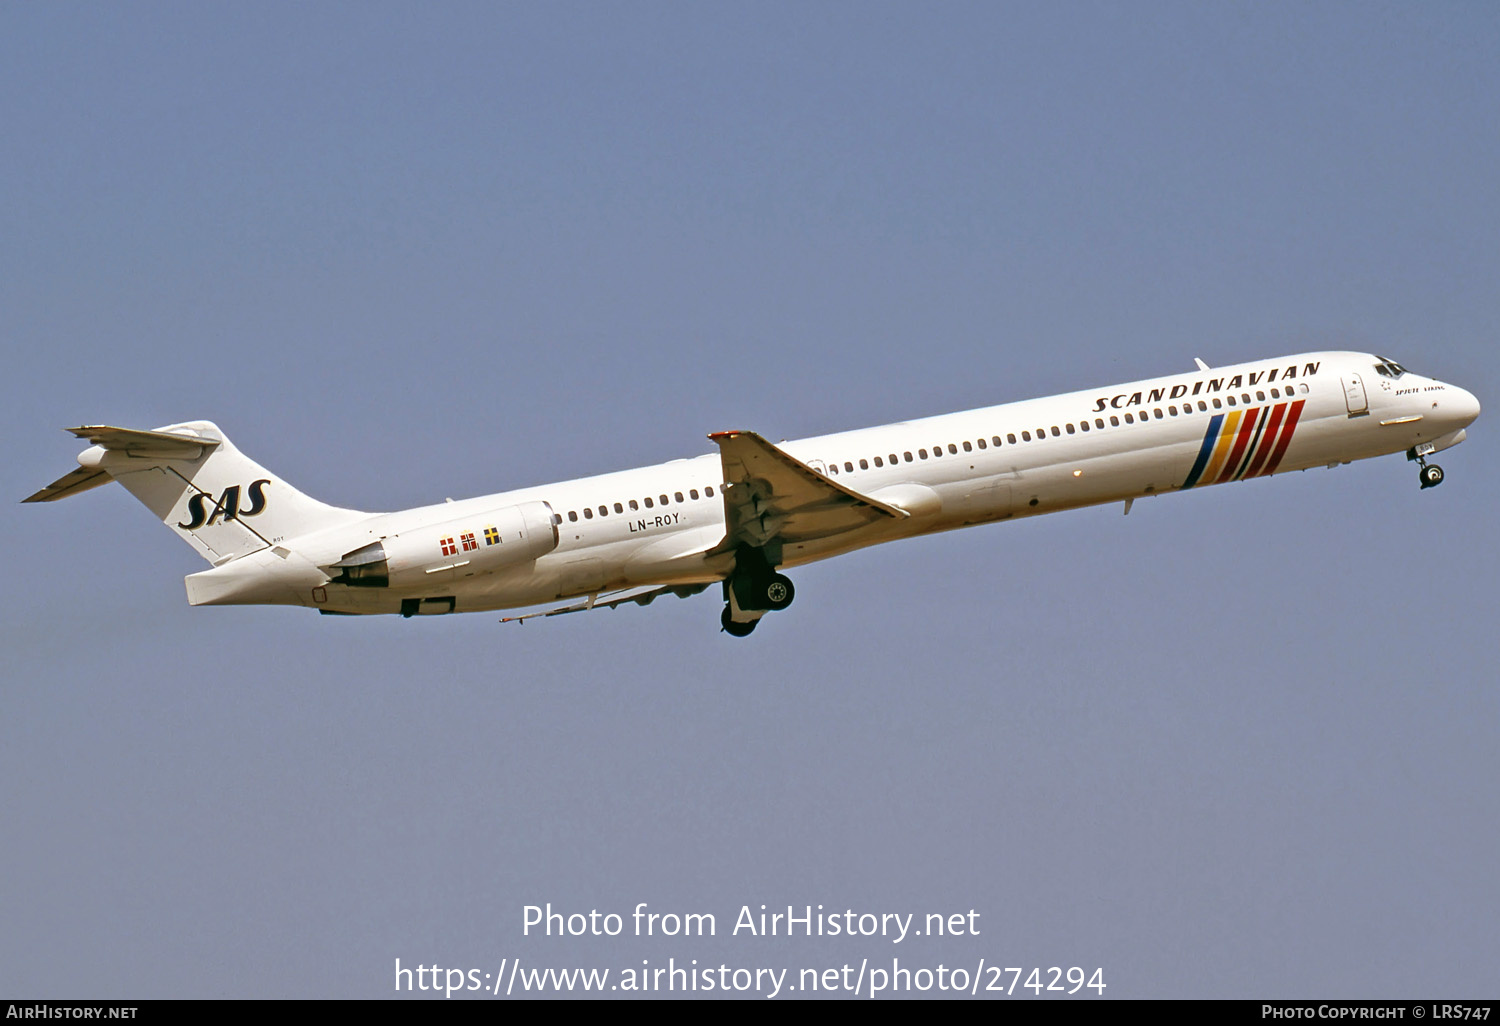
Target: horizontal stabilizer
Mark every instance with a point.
(80, 480)
(160, 445)
(157, 444)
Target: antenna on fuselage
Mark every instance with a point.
(1200, 363)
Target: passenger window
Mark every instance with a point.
(864, 464)
(1260, 397)
(604, 511)
(709, 491)
(907, 455)
(922, 453)
(1245, 398)
(1129, 419)
(1011, 439)
(981, 444)
(848, 467)
(663, 500)
(619, 508)
(1302, 386)
(693, 494)
(1229, 399)
(996, 441)
(648, 502)
(588, 514)
(573, 515)
(970, 448)
(1172, 410)
(953, 448)
(833, 468)
(1114, 421)
(1217, 404)
(1025, 436)
(1067, 427)
(1099, 423)
(1202, 406)
(879, 462)
(1158, 413)
(1083, 425)
(634, 505)
(937, 450)
(677, 496)
(894, 460)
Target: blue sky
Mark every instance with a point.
(1238, 744)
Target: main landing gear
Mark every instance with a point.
(1431, 475)
(753, 590)
(733, 627)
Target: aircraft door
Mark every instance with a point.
(1354, 396)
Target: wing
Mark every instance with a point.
(774, 496)
(640, 596)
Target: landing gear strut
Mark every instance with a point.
(1431, 475)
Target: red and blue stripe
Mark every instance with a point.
(1245, 443)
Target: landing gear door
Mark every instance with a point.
(1354, 396)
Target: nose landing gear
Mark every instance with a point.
(1431, 475)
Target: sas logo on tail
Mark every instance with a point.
(226, 507)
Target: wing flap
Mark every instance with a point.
(640, 596)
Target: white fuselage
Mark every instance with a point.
(661, 524)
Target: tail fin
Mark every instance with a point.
(191, 476)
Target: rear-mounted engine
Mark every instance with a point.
(465, 547)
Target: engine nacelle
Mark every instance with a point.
(431, 555)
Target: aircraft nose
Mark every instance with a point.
(1461, 406)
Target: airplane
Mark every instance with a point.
(739, 516)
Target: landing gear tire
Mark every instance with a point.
(1431, 475)
(777, 592)
(734, 628)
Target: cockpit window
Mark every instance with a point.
(1390, 368)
